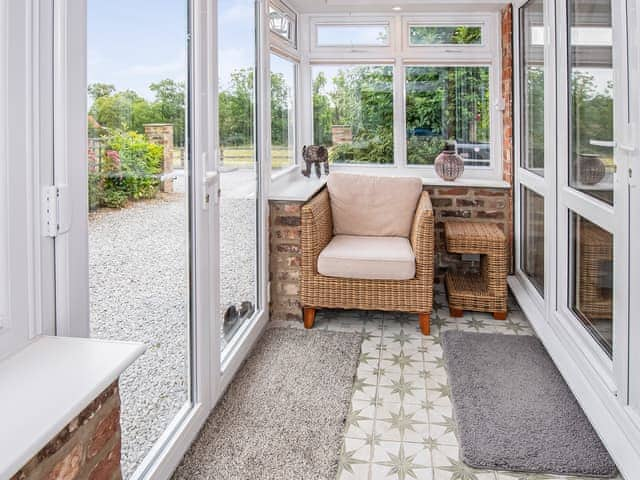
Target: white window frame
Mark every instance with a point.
(26, 300)
(401, 55)
(385, 23)
(297, 112)
(279, 40)
(524, 178)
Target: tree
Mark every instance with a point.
(169, 106)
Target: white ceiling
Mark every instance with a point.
(385, 6)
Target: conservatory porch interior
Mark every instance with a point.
(174, 298)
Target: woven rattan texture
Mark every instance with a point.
(318, 291)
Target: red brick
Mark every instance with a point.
(109, 466)
(107, 428)
(69, 467)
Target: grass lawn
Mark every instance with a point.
(243, 156)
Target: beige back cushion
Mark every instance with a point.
(373, 206)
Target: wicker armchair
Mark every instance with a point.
(318, 291)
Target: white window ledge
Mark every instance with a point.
(296, 188)
(47, 384)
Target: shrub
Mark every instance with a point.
(131, 166)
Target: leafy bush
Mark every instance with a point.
(423, 151)
(372, 148)
(131, 166)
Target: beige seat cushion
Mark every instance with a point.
(374, 206)
(368, 258)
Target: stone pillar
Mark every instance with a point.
(162, 134)
(87, 448)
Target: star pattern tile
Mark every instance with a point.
(401, 424)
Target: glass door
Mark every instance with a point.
(139, 165)
(239, 171)
(591, 195)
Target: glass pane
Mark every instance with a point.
(283, 109)
(282, 22)
(238, 166)
(532, 31)
(591, 98)
(138, 162)
(445, 35)
(448, 104)
(353, 112)
(352, 35)
(592, 279)
(532, 247)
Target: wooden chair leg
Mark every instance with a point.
(425, 323)
(309, 317)
(455, 312)
(500, 315)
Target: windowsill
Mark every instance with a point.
(296, 188)
(47, 384)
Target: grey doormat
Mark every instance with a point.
(283, 415)
(514, 410)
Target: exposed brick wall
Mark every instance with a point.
(285, 260)
(507, 115)
(491, 205)
(87, 448)
(477, 204)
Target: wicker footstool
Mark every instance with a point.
(486, 291)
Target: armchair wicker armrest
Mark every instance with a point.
(422, 238)
(317, 230)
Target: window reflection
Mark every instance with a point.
(591, 98)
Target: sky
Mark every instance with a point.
(132, 43)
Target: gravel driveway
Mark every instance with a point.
(138, 286)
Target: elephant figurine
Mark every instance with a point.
(317, 155)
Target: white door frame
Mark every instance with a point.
(631, 146)
(71, 247)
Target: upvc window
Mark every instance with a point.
(283, 23)
(283, 112)
(353, 112)
(424, 97)
(448, 104)
(444, 35)
(352, 34)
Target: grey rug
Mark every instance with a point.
(514, 410)
(283, 415)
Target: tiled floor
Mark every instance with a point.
(401, 424)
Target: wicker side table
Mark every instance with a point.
(486, 291)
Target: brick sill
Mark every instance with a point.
(296, 188)
(47, 384)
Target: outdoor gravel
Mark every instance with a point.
(138, 287)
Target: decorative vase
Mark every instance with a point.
(449, 165)
(591, 169)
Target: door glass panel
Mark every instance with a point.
(592, 279)
(532, 32)
(591, 98)
(532, 248)
(283, 110)
(138, 164)
(238, 166)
